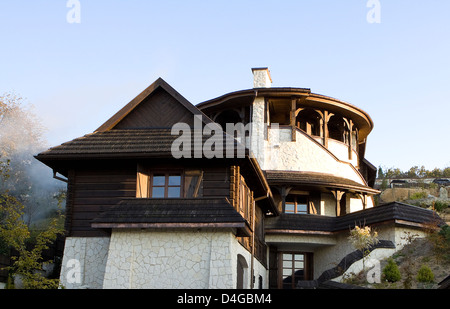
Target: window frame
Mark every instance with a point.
(308, 268)
(296, 204)
(167, 174)
(292, 269)
(191, 182)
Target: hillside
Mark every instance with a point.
(432, 251)
(434, 197)
(410, 259)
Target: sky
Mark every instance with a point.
(391, 58)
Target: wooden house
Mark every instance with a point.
(160, 197)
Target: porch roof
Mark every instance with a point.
(316, 179)
(172, 213)
(395, 212)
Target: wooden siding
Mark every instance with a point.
(216, 182)
(92, 191)
(158, 110)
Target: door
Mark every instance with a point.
(293, 267)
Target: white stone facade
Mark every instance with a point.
(278, 152)
(137, 259)
(84, 262)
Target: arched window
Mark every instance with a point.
(338, 129)
(308, 120)
(242, 268)
(228, 116)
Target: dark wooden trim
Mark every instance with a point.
(69, 202)
(297, 232)
(242, 229)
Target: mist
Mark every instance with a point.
(28, 180)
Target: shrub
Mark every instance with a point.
(419, 195)
(441, 243)
(425, 274)
(391, 272)
(440, 205)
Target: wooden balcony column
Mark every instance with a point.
(292, 119)
(338, 196)
(350, 139)
(363, 198)
(284, 191)
(326, 117)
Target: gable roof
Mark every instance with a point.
(119, 136)
(144, 98)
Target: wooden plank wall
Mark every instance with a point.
(216, 182)
(159, 110)
(94, 191)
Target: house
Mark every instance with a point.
(256, 188)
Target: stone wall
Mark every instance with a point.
(84, 262)
(176, 259)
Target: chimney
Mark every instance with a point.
(261, 78)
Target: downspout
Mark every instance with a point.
(252, 274)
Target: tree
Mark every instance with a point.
(380, 173)
(21, 137)
(14, 233)
(412, 173)
(362, 238)
(422, 172)
(436, 172)
(446, 172)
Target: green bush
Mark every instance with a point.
(425, 274)
(419, 195)
(440, 205)
(391, 272)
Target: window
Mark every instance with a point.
(296, 204)
(292, 269)
(338, 129)
(165, 185)
(169, 184)
(308, 120)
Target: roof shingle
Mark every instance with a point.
(399, 212)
